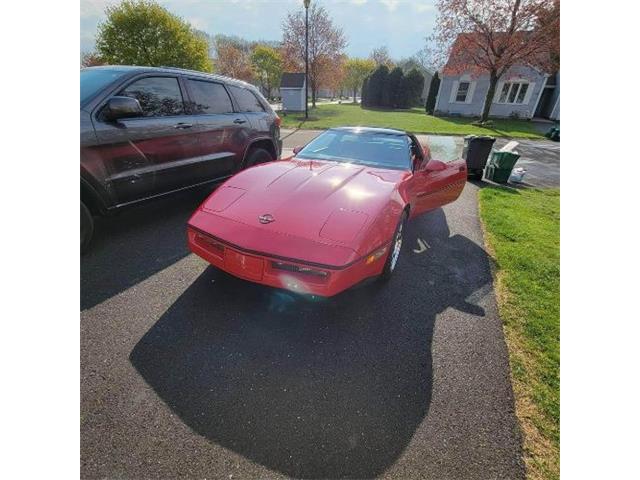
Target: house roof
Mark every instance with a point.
(292, 80)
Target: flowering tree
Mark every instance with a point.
(490, 36)
(333, 74)
(326, 43)
(91, 59)
(232, 60)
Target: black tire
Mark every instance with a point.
(86, 227)
(390, 264)
(257, 156)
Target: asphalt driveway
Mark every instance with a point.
(189, 372)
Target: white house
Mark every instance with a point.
(522, 91)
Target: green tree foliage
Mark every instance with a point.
(377, 85)
(433, 94)
(267, 66)
(395, 92)
(356, 70)
(141, 32)
(393, 89)
(414, 86)
(364, 101)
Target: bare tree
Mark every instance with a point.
(326, 43)
(381, 56)
(490, 36)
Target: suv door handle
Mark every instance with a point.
(183, 125)
(239, 121)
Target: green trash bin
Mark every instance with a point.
(500, 165)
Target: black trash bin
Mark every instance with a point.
(476, 152)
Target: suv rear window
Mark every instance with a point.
(209, 97)
(158, 96)
(247, 100)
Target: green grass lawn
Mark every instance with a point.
(414, 120)
(522, 229)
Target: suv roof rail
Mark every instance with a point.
(207, 73)
(184, 69)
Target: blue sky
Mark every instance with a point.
(400, 25)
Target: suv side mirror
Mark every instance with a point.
(122, 107)
(296, 149)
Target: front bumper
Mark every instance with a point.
(290, 274)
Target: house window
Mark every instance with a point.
(513, 92)
(463, 90)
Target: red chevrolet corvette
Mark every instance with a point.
(328, 217)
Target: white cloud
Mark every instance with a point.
(358, 2)
(390, 4)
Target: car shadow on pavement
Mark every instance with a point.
(133, 245)
(313, 388)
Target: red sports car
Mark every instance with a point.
(328, 217)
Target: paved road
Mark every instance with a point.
(541, 158)
(189, 372)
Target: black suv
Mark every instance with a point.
(146, 132)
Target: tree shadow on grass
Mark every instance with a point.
(309, 387)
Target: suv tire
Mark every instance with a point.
(257, 156)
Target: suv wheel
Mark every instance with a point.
(257, 156)
(86, 227)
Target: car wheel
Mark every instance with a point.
(257, 156)
(394, 250)
(86, 227)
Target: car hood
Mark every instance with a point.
(328, 202)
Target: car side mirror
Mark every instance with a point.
(426, 151)
(122, 107)
(433, 166)
(296, 149)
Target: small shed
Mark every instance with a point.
(292, 87)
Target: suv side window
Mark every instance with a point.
(158, 96)
(247, 101)
(209, 97)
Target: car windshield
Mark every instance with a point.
(93, 80)
(379, 149)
